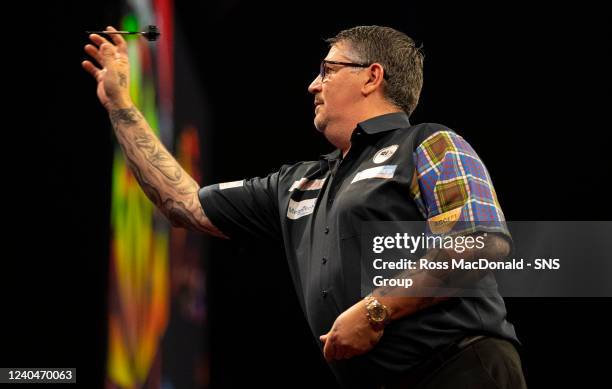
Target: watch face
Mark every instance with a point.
(377, 312)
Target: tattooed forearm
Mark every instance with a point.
(122, 80)
(181, 215)
(158, 156)
(159, 175)
(150, 191)
(127, 116)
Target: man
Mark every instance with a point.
(384, 169)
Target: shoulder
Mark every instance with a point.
(288, 174)
(429, 135)
(418, 133)
(439, 139)
(298, 168)
(425, 131)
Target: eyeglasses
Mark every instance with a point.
(323, 68)
(324, 63)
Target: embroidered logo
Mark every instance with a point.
(297, 209)
(383, 154)
(444, 222)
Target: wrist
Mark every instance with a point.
(119, 103)
(377, 313)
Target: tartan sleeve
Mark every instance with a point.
(453, 189)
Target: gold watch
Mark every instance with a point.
(378, 314)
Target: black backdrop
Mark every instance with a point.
(528, 88)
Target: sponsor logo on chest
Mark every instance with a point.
(298, 209)
(383, 154)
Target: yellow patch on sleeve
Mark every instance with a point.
(444, 222)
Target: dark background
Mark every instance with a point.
(528, 88)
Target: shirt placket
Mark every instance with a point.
(323, 239)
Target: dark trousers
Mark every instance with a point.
(482, 364)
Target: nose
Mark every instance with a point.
(315, 85)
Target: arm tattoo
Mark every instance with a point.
(159, 175)
(122, 80)
(129, 116)
(181, 215)
(157, 156)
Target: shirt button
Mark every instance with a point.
(327, 230)
(323, 293)
(324, 260)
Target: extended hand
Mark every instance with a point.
(113, 76)
(350, 335)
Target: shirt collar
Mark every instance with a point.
(375, 125)
(331, 156)
(386, 122)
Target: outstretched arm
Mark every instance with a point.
(165, 183)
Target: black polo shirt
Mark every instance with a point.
(316, 208)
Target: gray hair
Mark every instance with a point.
(397, 53)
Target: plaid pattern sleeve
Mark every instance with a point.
(452, 187)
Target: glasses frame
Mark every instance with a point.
(323, 71)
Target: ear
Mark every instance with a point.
(375, 74)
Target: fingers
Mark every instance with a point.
(93, 52)
(329, 351)
(118, 40)
(107, 54)
(98, 40)
(333, 351)
(91, 68)
(104, 52)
